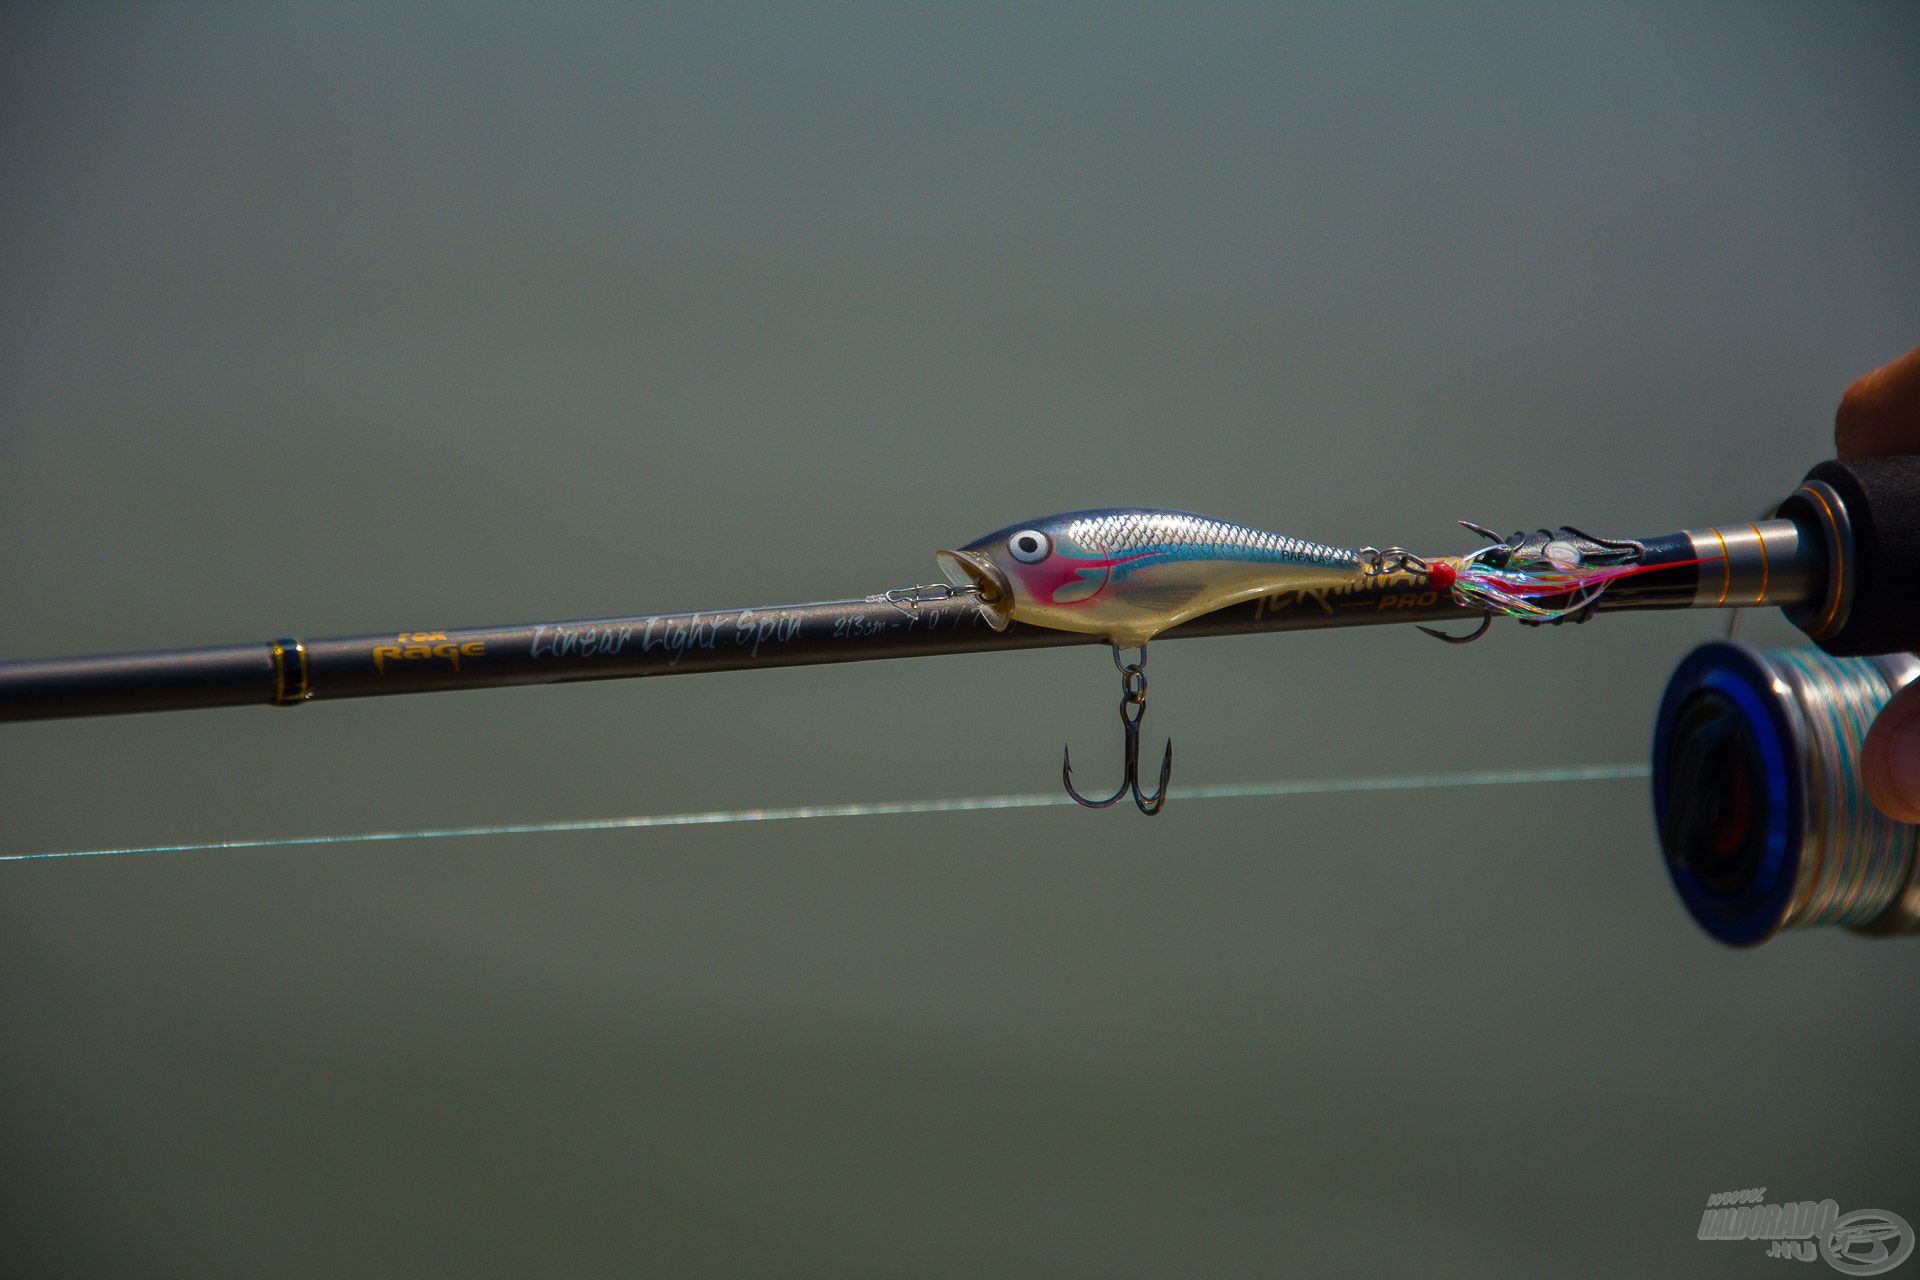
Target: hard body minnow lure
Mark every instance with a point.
(1129, 573)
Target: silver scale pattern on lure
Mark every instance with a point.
(1187, 536)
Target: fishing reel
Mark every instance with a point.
(1763, 813)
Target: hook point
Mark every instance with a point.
(1486, 621)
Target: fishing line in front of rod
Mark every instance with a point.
(884, 808)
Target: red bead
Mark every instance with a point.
(1441, 574)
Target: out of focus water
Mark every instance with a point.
(324, 322)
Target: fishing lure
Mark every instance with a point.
(1128, 573)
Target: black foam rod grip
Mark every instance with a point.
(1865, 512)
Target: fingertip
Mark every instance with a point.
(1890, 761)
(1880, 413)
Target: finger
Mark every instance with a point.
(1891, 761)
(1880, 413)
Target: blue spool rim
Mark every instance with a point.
(1742, 676)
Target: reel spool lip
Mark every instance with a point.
(1742, 676)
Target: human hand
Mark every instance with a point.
(1880, 415)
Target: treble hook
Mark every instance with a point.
(1133, 706)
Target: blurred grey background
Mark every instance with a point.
(329, 321)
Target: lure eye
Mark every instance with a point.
(1030, 546)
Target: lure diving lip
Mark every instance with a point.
(969, 568)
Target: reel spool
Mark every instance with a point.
(1762, 811)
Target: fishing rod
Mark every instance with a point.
(1840, 557)
(1762, 816)
(1830, 559)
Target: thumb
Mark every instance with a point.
(1891, 761)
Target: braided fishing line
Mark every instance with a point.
(1858, 857)
(885, 808)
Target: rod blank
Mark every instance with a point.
(289, 672)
